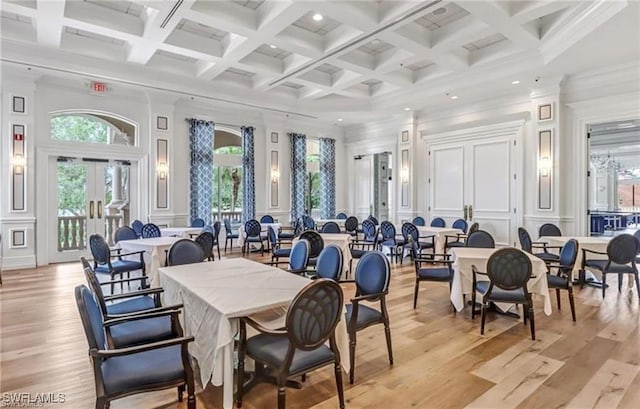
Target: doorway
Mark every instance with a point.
(91, 196)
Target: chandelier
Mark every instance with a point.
(602, 162)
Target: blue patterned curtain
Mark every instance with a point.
(201, 170)
(298, 174)
(248, 185)
(327, 178)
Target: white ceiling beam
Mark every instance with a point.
(50, 15)
(532, 10)
(494, 15)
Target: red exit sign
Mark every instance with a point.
(98, 87)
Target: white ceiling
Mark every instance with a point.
(362, 57)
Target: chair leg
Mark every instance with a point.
(225, 245)
(352, 357)
(604, 283)
(338, 372)
(218, 246)
(101, 403)
(637, 283)
(619, 283)
(180, 392)
(415, 294)
(531, 321)
(473, 304)
(387, 334)
(558, 298)
(524, 314)
(571, 303)
(483, 314)
(281, 392)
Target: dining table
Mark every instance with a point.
(343, 241)
(584, 242)
(154, 248)
(466, 257)
(242, 235)
(184, 232)
(216, 295)
(439, 234)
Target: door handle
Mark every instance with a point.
(91, 209)
(470, 212)
(466, 211)
(99, 209)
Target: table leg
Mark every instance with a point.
(227, 377)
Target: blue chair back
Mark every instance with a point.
(409, 230)
(330, 261)
(369, 230)
(150, 230)
(308, 223)
(388, 231)
(480, 239)
(438, 222)
(331, 227)
(351, 224)
(136, 225)
(341, 216)
(299, 256)
(185, 251)
(525, 240)
(216, 230)
(267, 218)
(273, 237)
(623, 249)
(419, 221)
(460, 224)
(99, 249)
(197, 222)
(252, 228)
(549, 229)
(568, 255)
(91, 318)
(373, 273)
(227, 227)
(125, 233)
(373, 219)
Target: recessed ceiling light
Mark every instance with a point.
(339, 119)
(317, 17)
(439, 11)
(454, 97)
(273, 46)
(407, 109)
(516, 82)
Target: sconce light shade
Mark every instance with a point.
(404, 174)
(18, 161)
(275, 175)
(544, 164)
(162, 170)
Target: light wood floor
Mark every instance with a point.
(441, 360)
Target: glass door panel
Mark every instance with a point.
(72, 206)
(227, 192)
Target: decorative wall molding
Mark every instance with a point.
(18, 262)
(497, 129)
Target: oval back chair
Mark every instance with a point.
(480, 239)
(330, 262)
(185, 251)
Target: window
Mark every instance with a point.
(92, 128)
(312, 191)
(227, 176)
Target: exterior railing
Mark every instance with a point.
(72, 231)
(226, 214)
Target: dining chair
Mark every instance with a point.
(621, 253)
(185, 251)
(563, 279)
(351, 226)
(438, 222)
(299, 257)
(146, 367)
(374, 220)
(316, 243)
(230, 235)
(369, 242)
(330, 263)
(267, 218)
(372, 276)
(549, 229)
(277, 251)
(124, 233)
(341, 216)
(150, 230)
(331, 227)
(637, 236)
(252, 230)
(411, 238)
(205, 240)
(460, 224)
(301, 346)
(197, 222)
(419, 221)
(459, 239)
(508, 272)
(389, 239)
(290, 232)
(439, 270)
(480, 239)
(527, 245)
(136, 225)
(105, 262)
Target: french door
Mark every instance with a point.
(87, 196)
(474, 180)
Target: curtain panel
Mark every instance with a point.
(248, 172)
(327, 178)
(201, 169)
(298, 174)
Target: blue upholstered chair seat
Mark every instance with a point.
(272, 350)
(547, 256)
(498, 294)
(281, 252)
(141, 332)
(366, 315)
(391, 243)
(555, 281)
(613, 268)
(435, 274)
(135, 371)
(456, 244)
(286, 236)
(131, 305)
(119, 266)
(255, 239)
(232, 236)
(357, 253)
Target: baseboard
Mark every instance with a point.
(18, 262)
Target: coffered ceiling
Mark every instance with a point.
(303, 56)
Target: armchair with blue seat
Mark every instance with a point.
(529, 246)
(508, 272)
(205, 240)
(459, 239)
(389, 239)
(480, 239)
(549, 229)
(419, 221)
(301, 346)
(369, 242)
(216, 236)
(150, 230)
(277, 251)
(563, 279)
(185, 251)
(126, 370)
(351, 226)
(621, 253)
(105, 262)
(253, 231)
(136, 225)
(372, 276)
(308, 223)
(411, 238)
(230, 235)
(331, 227)
(298, 262)
(439, 271)
(267, 218)
(197, 222)
(125, 233)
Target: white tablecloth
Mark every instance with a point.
(215, 294)
(154, 253)
(440, 233)
(343, 241)
(585, 242)
(322, 222)
(242, 235)
(184, 232)
(465, 257)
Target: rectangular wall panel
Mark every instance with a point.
(275, 179)
(491, 176)
(447, 179)
(162, 176)
(18, 167)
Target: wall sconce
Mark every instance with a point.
(18, 161)
(404, 174)
(275, 175)
(162, 170)
(544, 164)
